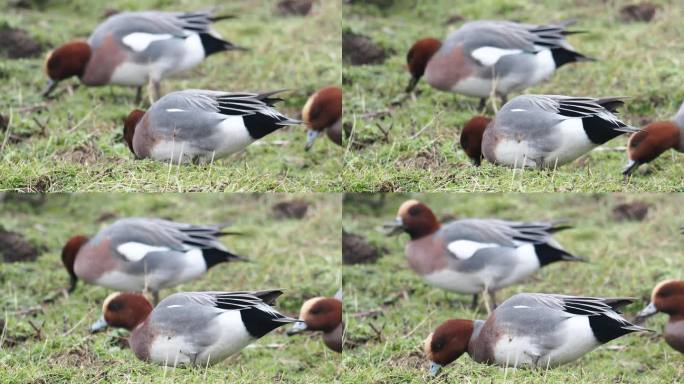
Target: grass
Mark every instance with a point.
(300, 256)
(625, 259)
(75, 143)
(419, 149)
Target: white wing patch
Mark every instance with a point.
(139, 41)
(174, 306)
(488, 56)
(518, 110)
(133, 251)
(517, 306)
(464, 249)
(175, 110)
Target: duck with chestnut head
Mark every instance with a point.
(323, 113)
(201, 126)
(136, 254)
(487, 55)
(322, 314)
(543, 131)
(474, 256)
(668, 298)
(192, 328)
(532, 330)
(137, 48)
(654, 140)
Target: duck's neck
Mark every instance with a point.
(476, 349)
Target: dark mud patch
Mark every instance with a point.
(106, 216)
(414, 360)
(82, 154)
(14, 247)
(357, 250)
(293, 209)
(294, 7)
(81, 356)
(636, 211)
(638, 12)
(18, 44)
(454, 19)
(360, 49)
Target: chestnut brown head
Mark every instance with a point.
(471, 138)
(69, 252)
(123, 310)
(321, 314)
(68, 60)
(649, 143)
(447, 343)
(416, 219)
(130, 122)
(321, 111)
(418, 57)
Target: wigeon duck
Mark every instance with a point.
(322, 314)
(655, 139)
(137, 48)
(532, 330)
(200, 126)
(488, 55)
(192, 328)
(135, 254)
(476, 255)
(668, 297)
(543, 131)
(323, 112)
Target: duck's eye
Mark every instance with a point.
(114, 306)
(414, 211)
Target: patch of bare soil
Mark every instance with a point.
(81, 154)
(15, 248)
(357, 250)
(360, 49)
(453, 19)
(80, 356)
(638, 12)
(426, 159)
(18, 44)
(106, 216)
(294, 7)
(293, 209)
(635, 211)
(414, 360)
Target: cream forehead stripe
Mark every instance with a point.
(306, 307)
(47, 58)
(307, 108)
(403, 209)
(657, 288)
(108, 299)
(426, 346)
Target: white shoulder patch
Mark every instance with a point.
(175, 110)
(516, 306)
(488, 56)
(139, 41)
(133, 251)
(174, 306)
(518, 110)
(465, 249)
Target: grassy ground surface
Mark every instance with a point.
(642, 60)
(75, 143)
(625, 259)
(300, 256)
